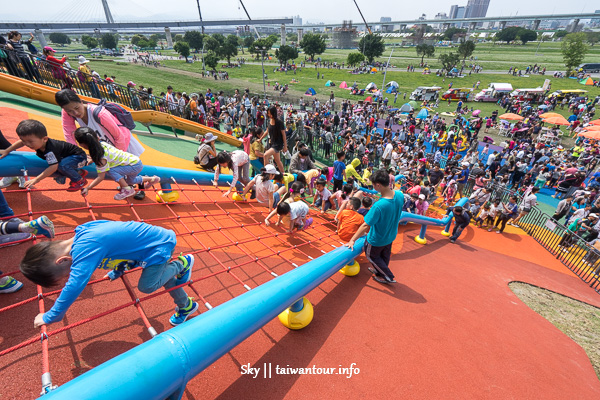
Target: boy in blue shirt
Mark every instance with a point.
(381, 222)
(339, 171)
(114, 246)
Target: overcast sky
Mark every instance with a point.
(309, 10)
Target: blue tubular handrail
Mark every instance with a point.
(161, 367)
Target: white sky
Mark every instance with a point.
(309, 10)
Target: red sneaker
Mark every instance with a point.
(75, 186)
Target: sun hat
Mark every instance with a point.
(593, 215)
(209, 137)
(82, 60)
(48, 48)
(270, 169)
(422, 196)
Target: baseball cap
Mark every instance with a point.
(270, 169)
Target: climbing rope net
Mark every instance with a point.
(234, 252)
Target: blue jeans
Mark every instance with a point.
(94, 89)
(457, 231)
(69, 167)
(163, 275)
(129, 172)
(327, 204)
(5, 210)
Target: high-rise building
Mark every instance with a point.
(477, 8)
(460, 12)
(453, 10)
(297, 20)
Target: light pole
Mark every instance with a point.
(386, 68)
(262, 61)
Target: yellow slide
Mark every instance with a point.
(36, 91)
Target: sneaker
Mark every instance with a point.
(13, 239)
(7, 181)
(181, 314)
(139, 195)
(498, 232)
(186, 272)
(21, 180)
(307, 223)
(383, 280)
(61, 180)
(452, 241)
(11, 285)
(153, 181)
(40, 226)
(77, 186)
(125, 193)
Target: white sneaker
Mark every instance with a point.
(21, 180)
(125, 193)
(7, 181)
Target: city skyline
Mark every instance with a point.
(311, 11)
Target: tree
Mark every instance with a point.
(195, 39)
(508, 34)
(211, 60)
(593, 37)
(312, 44)
(89, 42)
(109, 41)
(182, 48)
(425, 50)
(219, 38)
(573, 50)
(526, 35)
(355, 58)
(248, 40)
(466, 48)
(560, 34)
(260, 46)
(449, 60)
(285, 53)
(155, 38)
(371, 46)
(135, 39)
(451, 32)
(59, 38)
(212, 44)
(273, 39)
(229, 48)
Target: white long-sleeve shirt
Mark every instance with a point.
(238, 158)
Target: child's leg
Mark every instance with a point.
(69, 166)
(163, 275)
(379, 256)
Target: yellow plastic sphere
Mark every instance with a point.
(445, 233)
(238, 197)
(168, 197)
(351, 269)
(422, 241)
(297, 320)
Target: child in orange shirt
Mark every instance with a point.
(349, 220)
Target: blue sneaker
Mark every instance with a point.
(42, 226)
(11, 285)
(186, 272)
(181, 314)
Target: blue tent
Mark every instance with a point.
(423, 114)
(310, 92)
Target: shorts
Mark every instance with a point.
(276, 199)
(277, 147)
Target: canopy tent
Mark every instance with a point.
(406, 108)
(310, 92)
(423, 114)
(329, 83)
(587, 81)
(343, 85)
(369, 99)
(371, 86)
(511, 117)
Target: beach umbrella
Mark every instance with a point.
(543, 107)
(590, 135)
(511, 117)
(476, 113)
(550, 114)
(423, 114)
(595, 122)
(592, 128)
(557, 121)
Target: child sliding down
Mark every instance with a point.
(122, 167)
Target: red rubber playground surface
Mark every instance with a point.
(451, 328)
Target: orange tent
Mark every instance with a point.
(550, 114)
(560, 120)
(369, 99)
(511, 117)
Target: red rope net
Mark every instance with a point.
(234, 252)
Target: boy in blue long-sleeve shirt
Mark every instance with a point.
(339, 171)
(113, 246)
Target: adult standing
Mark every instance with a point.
(277, 138)
(108, 128)
(529, 201)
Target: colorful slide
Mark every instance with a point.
(36, 91)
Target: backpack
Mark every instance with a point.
(117, 111)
